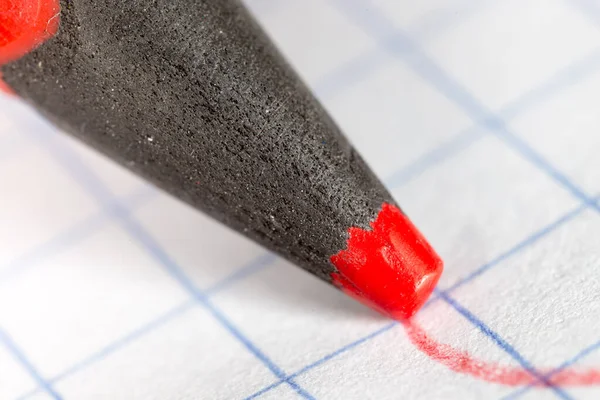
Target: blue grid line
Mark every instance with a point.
(254, 266)
(117, 344)
(511, 252)
(374, 22)
(503, 344)
(578, 357)
(338, 79)
(564, 78)
(344, 349)
(265, 390)
(258, 264)
(369, 60)
(154, 249)
(567, 77)
(24, 361)
(446, 150)
(582, 354)
(539, 161)
(530, 240)
(89, 181)
(572, 74)
(73, 234)
(323, 360)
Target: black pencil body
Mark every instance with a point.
(193, 96)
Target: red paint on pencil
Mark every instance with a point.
(4, 88)
(462, 362)
(24, 25)
(391, 268)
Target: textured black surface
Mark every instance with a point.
(193, 96)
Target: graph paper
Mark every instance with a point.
(482, 119)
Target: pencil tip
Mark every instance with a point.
(390, 268)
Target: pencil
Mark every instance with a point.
(194, 97)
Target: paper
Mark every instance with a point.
(481, 117)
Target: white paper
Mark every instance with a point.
(481, 117)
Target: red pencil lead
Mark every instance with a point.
(391, 268)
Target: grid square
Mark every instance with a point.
(39, 201)
(513, 46)
(314, 48)
(293, 317)
(486, 200)
(390, 363)
(81, 300)
(14, 380)
(564, 129)
(544, 299)
(222, 367)
(200, 246)
(393, 117)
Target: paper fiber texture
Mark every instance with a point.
(481, 118)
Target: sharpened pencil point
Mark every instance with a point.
(390, 268)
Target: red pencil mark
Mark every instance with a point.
(462, 362)
(24, 25)
(390, 268)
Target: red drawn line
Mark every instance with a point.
(393, 269)
(462, 362)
